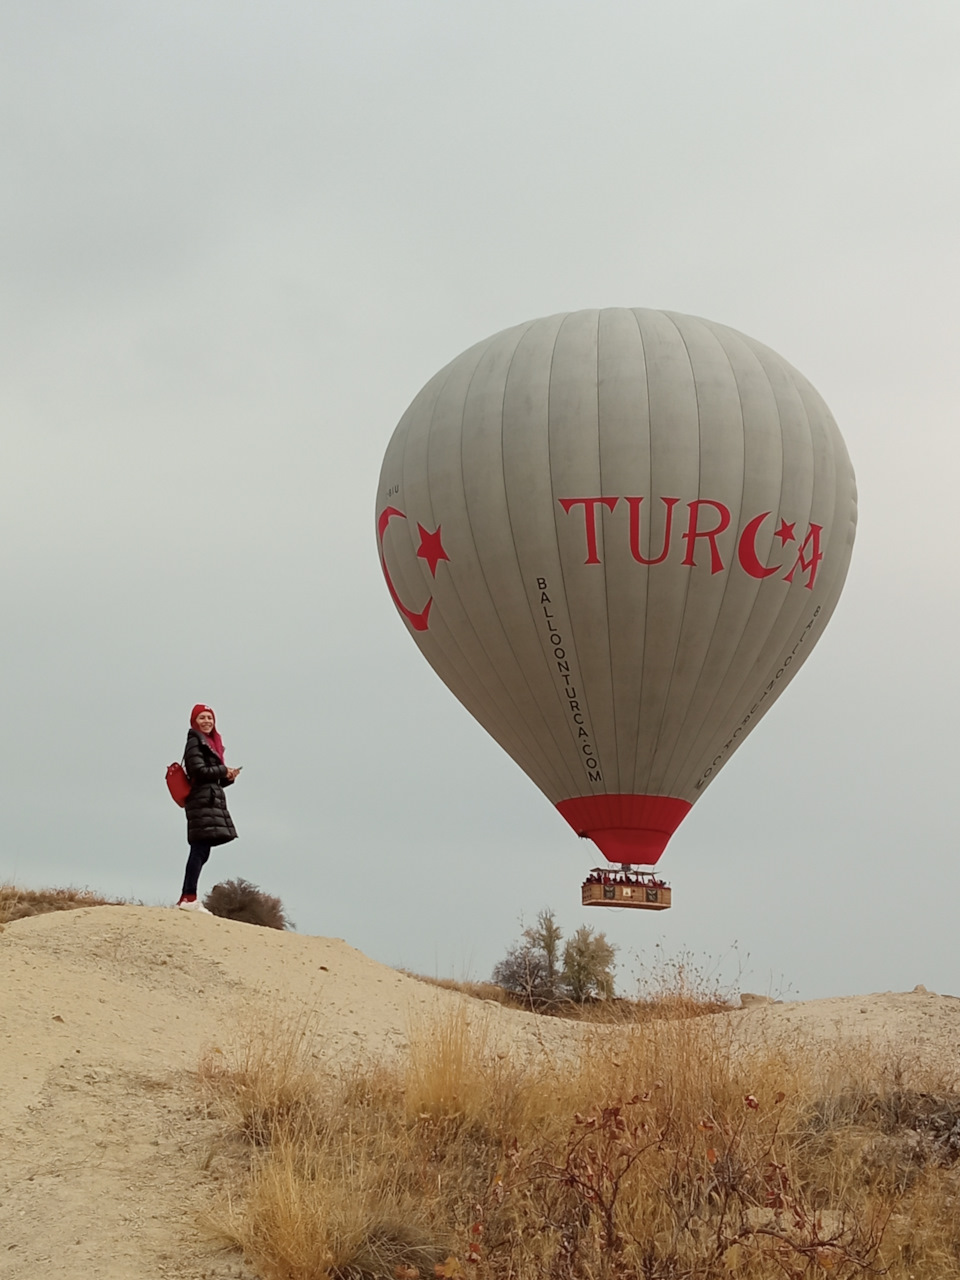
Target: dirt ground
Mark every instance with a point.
(106, 1156)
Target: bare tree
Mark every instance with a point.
(531, 968)
(521, 973)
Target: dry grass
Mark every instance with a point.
(666, 1001)
(659, 1151)
(17, 904)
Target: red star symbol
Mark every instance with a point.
(431, 548)
(785, 532)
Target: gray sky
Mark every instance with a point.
(238, 237)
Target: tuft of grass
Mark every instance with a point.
(682, 986)
(655, 1151)
(18, 904)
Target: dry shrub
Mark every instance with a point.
(663, 1151)
(18, 904)
(240, 900)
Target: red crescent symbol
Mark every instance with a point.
(417, 620)
(747, 549)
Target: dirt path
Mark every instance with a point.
(105, 1153)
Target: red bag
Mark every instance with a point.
(178, 784)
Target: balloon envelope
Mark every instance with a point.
(616, 536)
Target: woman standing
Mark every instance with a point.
(208, 820)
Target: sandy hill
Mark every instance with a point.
(105, 1011)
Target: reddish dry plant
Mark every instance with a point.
(735, 1198)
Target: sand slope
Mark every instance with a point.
(104, 1012)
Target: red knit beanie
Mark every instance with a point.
(196, 711)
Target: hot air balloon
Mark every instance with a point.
(616, 535)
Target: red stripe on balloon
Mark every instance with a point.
(626, 828)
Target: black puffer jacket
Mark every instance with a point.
(208, 820)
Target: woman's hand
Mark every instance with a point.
(232, 773)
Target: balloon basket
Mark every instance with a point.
(637, 891)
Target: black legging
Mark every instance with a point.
(199, 853)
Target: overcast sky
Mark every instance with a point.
(238, 237)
